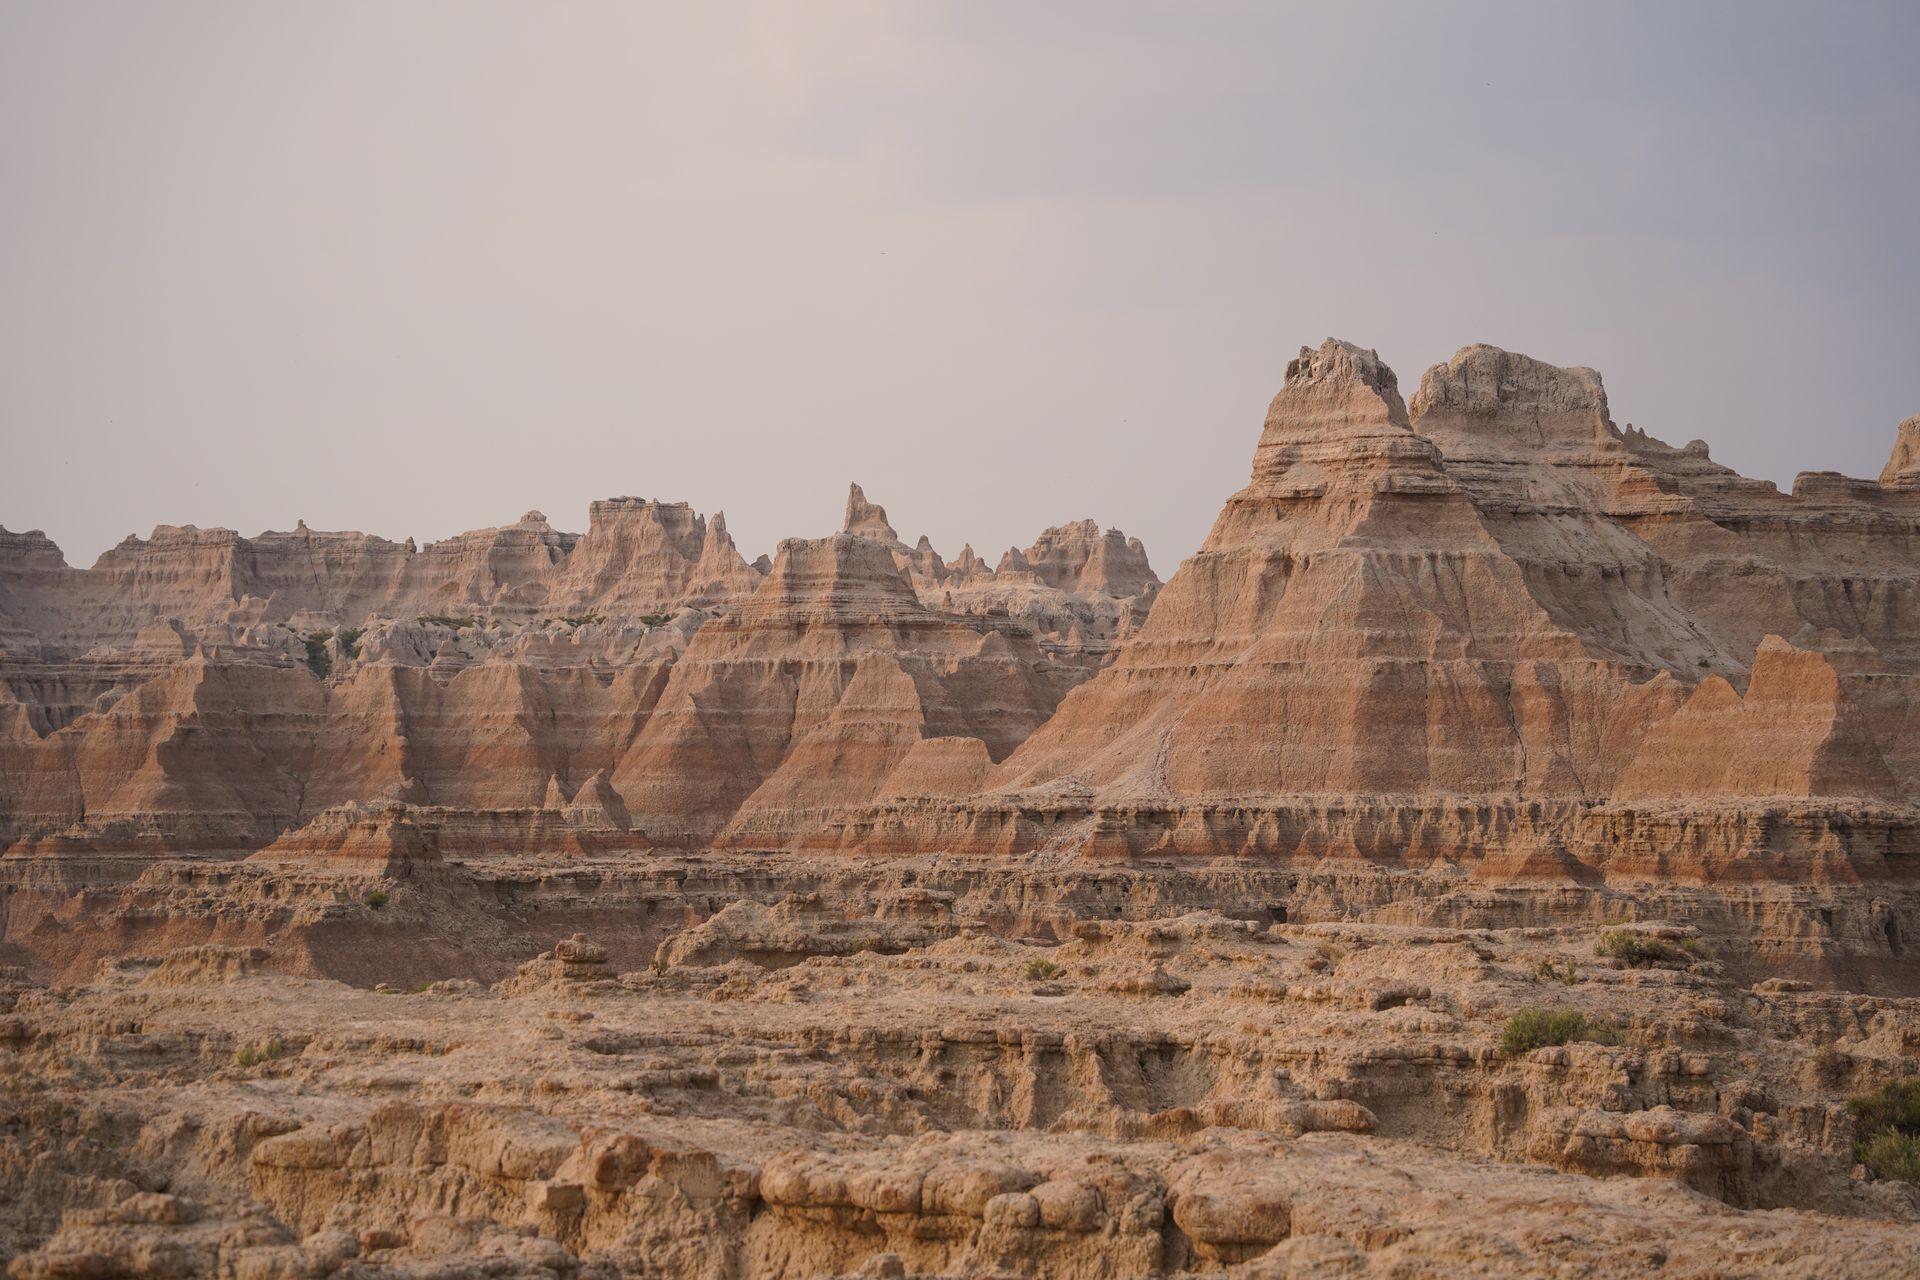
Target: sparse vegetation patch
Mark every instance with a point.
(319, 661)
(254, 1055)
(1886, 1125)
(1635, 950)
(1548, 971)
(1532, 1029)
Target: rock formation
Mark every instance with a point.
(806, 696)
(869, 520)
(1503, 808)
(1432, 627)
(1903, 466)
(875, 1084)
(1479, 628)
(1078, 590)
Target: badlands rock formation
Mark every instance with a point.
(874, 1083)
(202, 692)
(1079, 590)
(1493, 853)
(1491, 626)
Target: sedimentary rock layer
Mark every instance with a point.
(1489, 626)
(201, 692)
(1493, 619)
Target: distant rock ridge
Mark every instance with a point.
(1490, 628)
(1079, 589)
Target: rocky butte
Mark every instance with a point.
(1497, 850)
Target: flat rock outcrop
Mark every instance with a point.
(876, 1084)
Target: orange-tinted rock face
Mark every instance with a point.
(1349, 627)
(1795, 734)
(508, 565)
(1903, 466)
(1490, 625)
(869, 520)
(648, 556)
(1490, 615)
(806, 697)
(1078, 590)
(1079, 557)
(1495, 785)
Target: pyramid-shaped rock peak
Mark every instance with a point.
(1336, 438)
(925, 566)
(1344, 597)
(369, 840)
(1903, 465)
(1335, 390)
(868, 519)
(597, 802)
(721, 573)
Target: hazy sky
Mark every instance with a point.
(417, 267)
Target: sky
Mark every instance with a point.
(418, 268)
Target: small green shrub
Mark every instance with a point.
(1705, 662)
(448, 620)
(1891, 1106)
(349, 638)
(377, 899)
(585, 619)
(1886, 1125)
(1891, 1154)
(1636, 951)
(1532, 1029)
(252, 1056)
(319, 661)
(655, 619)
(1548, 971)
(1040, 969)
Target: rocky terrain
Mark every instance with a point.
(1495, 852)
